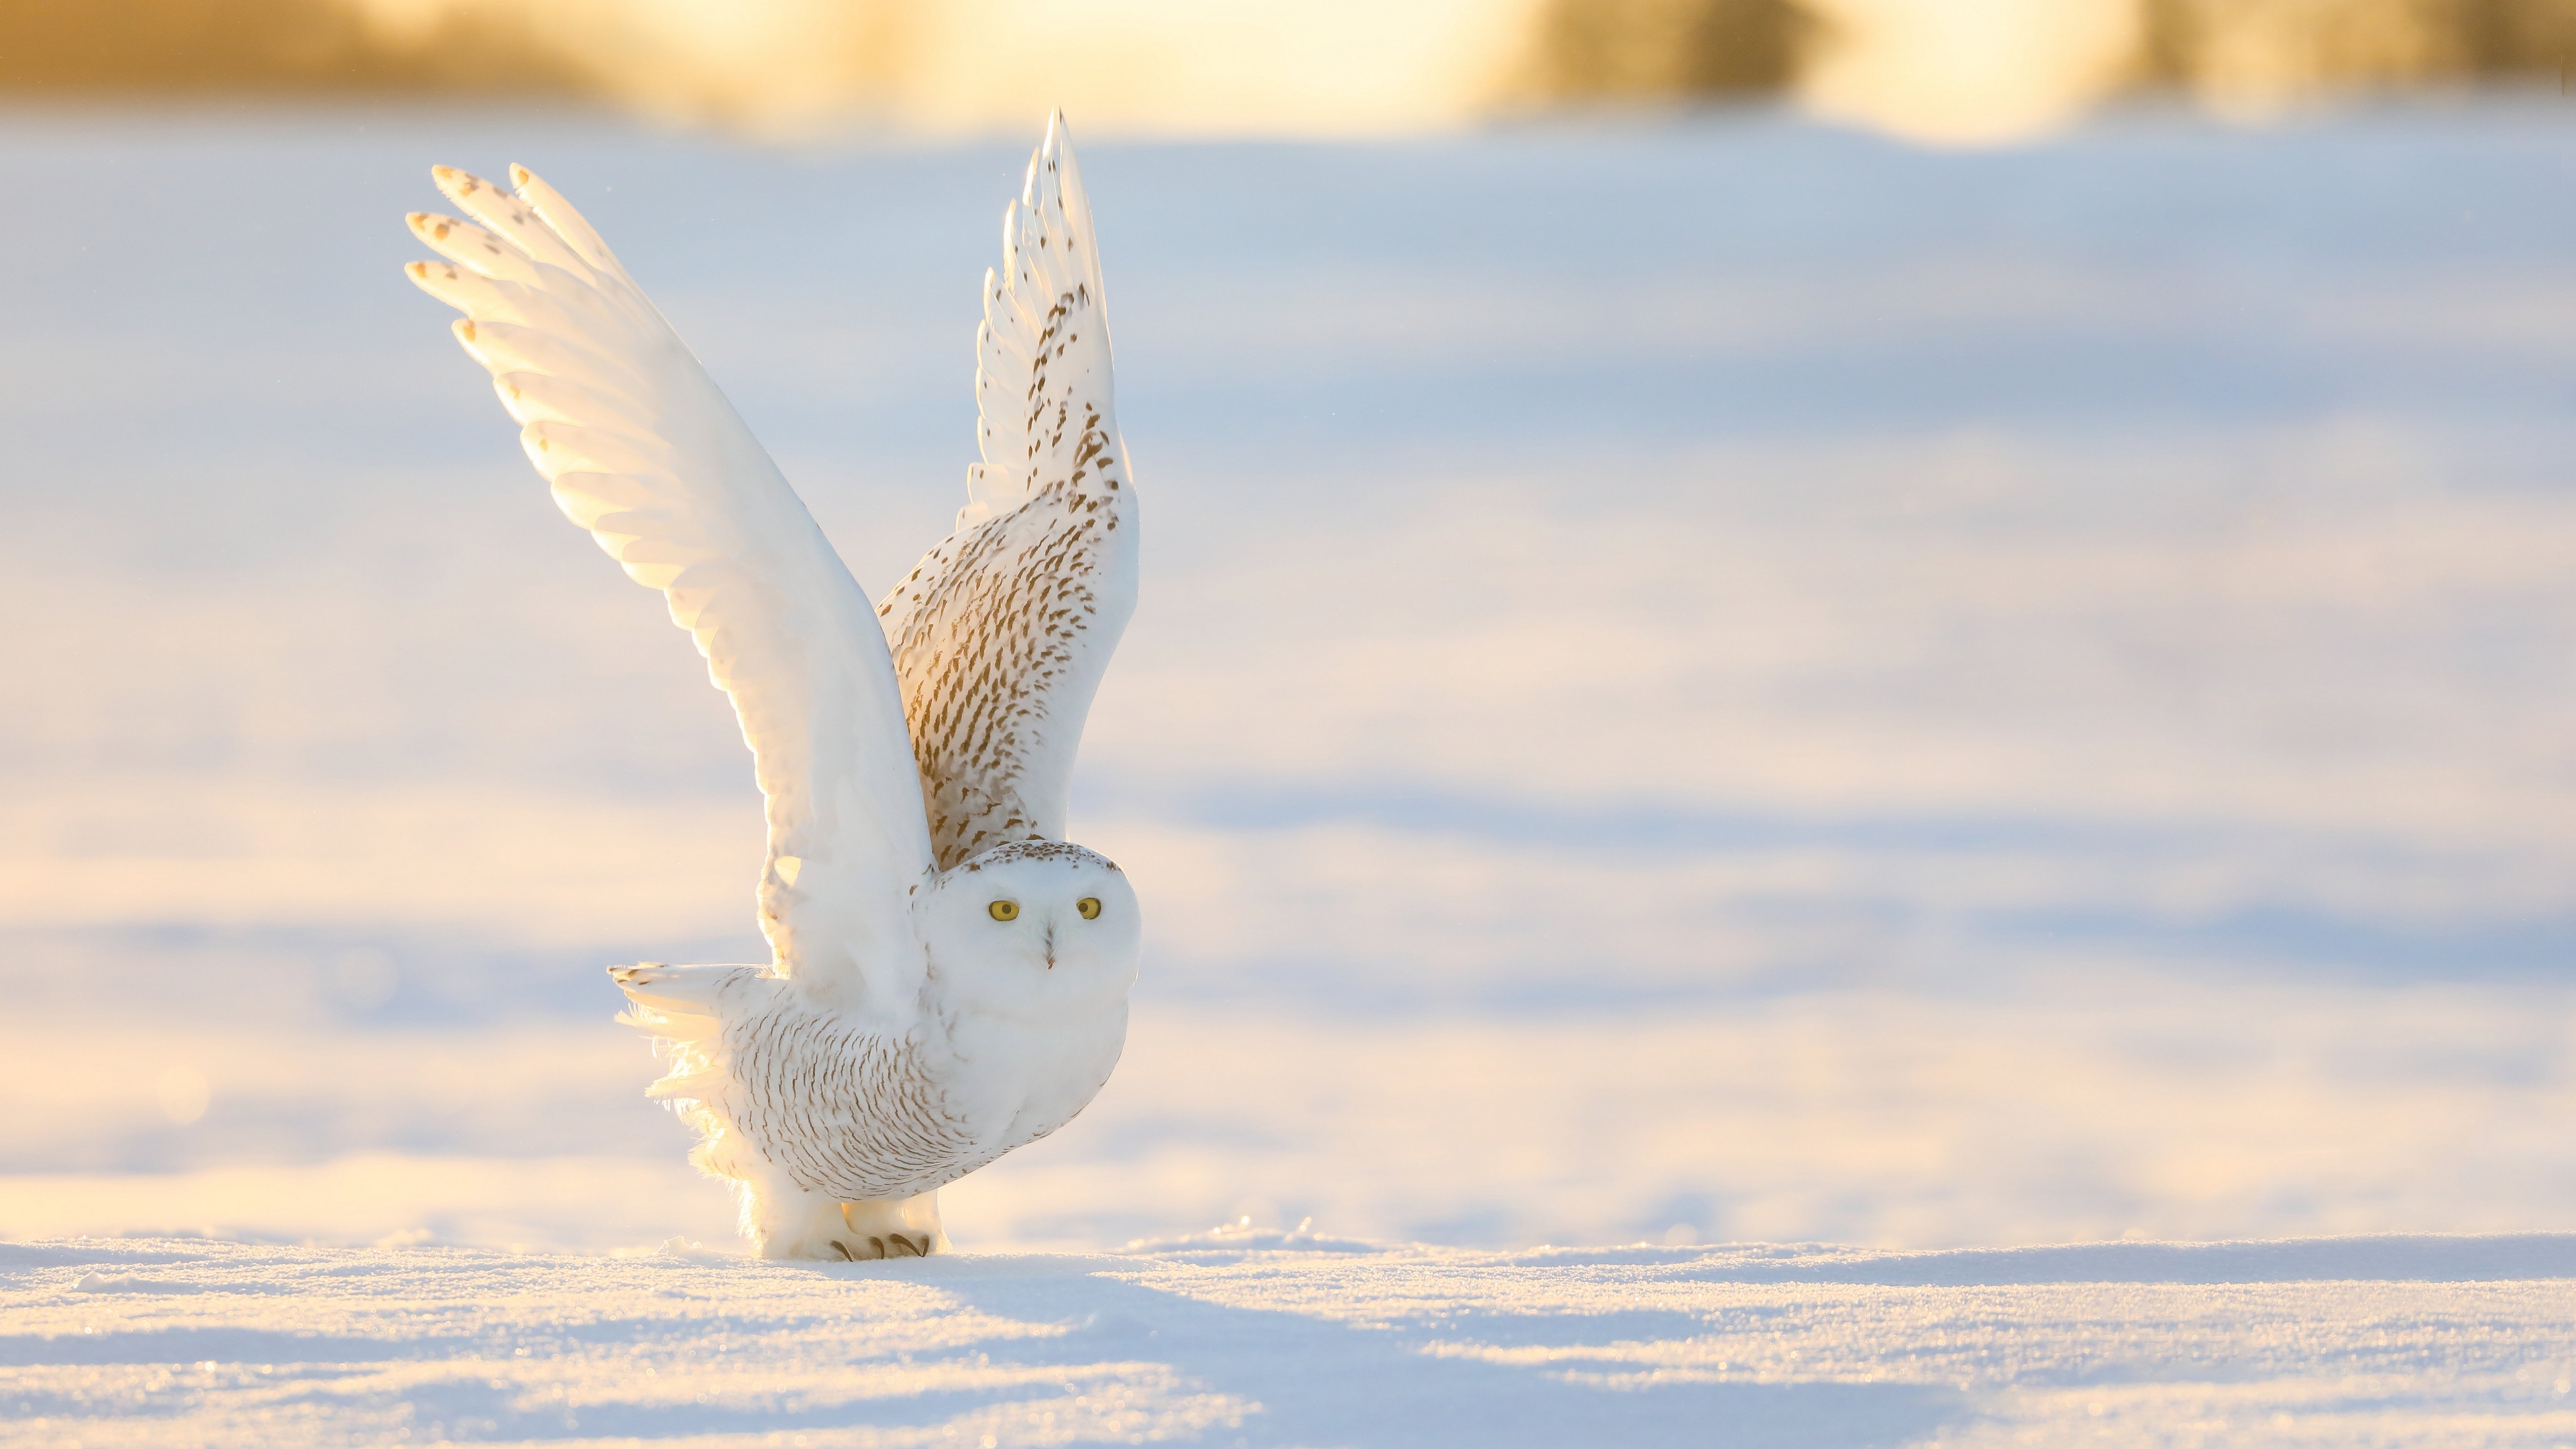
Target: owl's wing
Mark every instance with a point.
(644, 452)
(1003, 631)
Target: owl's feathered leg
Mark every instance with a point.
(900, 1227)
(786, 1221)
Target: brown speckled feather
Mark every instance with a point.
(1001, 634)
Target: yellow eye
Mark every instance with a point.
(1089, 906)
(1004, 910)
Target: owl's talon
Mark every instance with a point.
(796, 1223)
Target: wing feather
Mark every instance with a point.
(468, 245)
(1002, 633)
(644, 452)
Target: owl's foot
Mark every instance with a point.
(885, 1245)
(903, 1228)
(786, 1221)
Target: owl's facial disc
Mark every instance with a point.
(1005, 909)
(1035, 925)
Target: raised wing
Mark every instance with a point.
(644, 452)
(1003, 631)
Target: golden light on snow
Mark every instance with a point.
(243, 857)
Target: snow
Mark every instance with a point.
(2149, 1110)
(1270, 1337)
(1726, 682)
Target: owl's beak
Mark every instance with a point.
(1050, 945)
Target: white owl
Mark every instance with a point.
(950, 977)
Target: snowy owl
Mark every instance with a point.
(950, 975)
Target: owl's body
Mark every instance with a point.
(950, 976)
(843, 1120)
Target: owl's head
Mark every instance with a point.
(1034, 926)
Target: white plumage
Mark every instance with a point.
(949, 977)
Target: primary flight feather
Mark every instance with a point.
(949, 976)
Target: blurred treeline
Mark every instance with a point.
(1575, 52)
(1592, 50)
(184, 47)
(2293, 45)
(711, 59)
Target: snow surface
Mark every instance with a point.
(1264, 1337)
(1722, 682)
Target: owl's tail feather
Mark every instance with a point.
(671, 1026)
(697, 1086)
(684, 1009)
(681, 990)
(681, 1006)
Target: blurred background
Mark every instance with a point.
(1908, 623)
(1948, 69)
